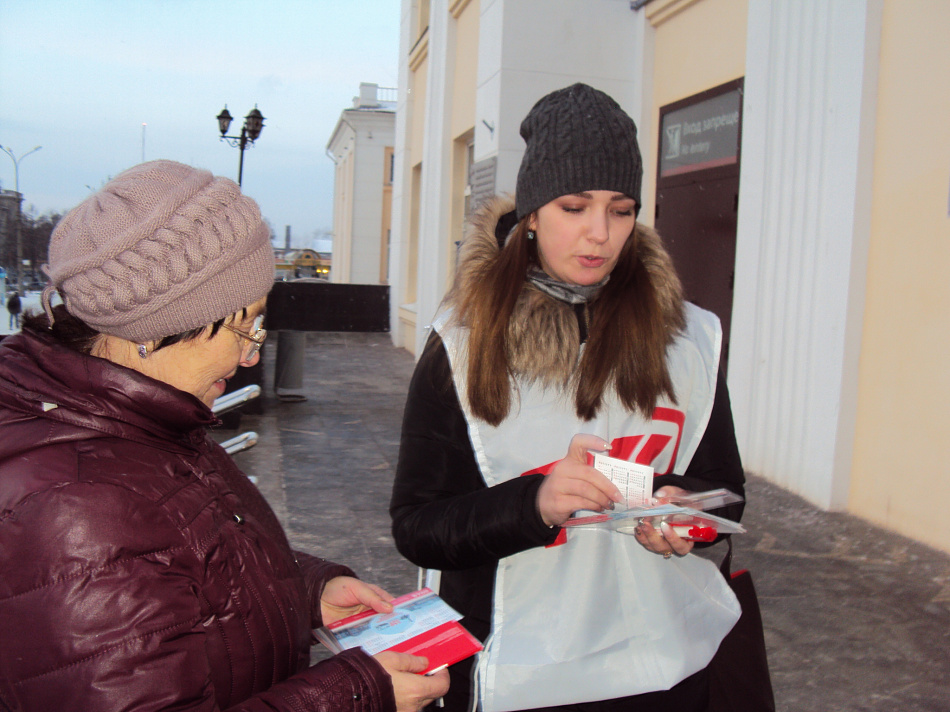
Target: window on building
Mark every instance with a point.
(390, 172)
(469, 161)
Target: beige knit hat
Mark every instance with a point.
(161, 249)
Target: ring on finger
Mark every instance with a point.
(667, 554)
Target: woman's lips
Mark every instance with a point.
(590, 261)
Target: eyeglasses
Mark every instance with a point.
(256, 337)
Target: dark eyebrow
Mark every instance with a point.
(615, 197)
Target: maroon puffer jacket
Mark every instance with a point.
(139, 569)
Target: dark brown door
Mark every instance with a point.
(698, 225)
(698, 196)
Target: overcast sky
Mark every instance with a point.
(81, 77)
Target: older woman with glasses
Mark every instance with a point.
(255, 339)
(139, 568)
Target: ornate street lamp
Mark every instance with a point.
(253, 123)
(19, 203)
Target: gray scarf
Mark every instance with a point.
(563, 292)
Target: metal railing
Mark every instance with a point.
(230, 401)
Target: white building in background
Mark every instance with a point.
(362, 149)
(834, 200)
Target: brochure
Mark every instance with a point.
(421, 623)
(687, 514)
(634, 481)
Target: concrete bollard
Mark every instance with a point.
(288, 367)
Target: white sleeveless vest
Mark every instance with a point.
(598, 617)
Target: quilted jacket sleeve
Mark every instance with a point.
(316, 573)
(348, 682)
(444, 517)
(99, 611)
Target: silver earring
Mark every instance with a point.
(143, 351)
(530, 234)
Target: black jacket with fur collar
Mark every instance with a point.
(544, 335)
(444, 516)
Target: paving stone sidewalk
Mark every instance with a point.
(857, 619)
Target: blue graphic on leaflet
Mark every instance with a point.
(392, 623)
(413, 614)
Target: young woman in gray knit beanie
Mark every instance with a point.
(139, 568)
(566, 331)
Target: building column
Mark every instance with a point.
(435, 200)
(802, 242)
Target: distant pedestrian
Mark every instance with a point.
(14, 307)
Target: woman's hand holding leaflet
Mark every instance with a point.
(344, 596)
(412, 690)
(661, 539)
(574, 485)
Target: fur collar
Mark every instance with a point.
(543, 334)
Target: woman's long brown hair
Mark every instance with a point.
(626, 346)
(486, 310)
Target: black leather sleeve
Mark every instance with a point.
(444, 516)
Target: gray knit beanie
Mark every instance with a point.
(161, 249)
(578, 139)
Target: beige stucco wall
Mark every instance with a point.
(418, 98)
(688, 59)
(902, 444)
(419, 71)
(465, 15)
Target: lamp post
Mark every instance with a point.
(19, 205)
(253, 123)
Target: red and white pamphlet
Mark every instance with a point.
(421, 623)
(686, 514)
